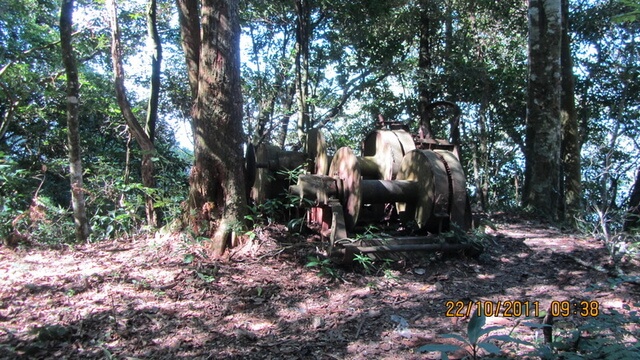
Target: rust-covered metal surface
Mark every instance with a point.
(412, 183)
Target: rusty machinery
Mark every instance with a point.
(267, 163)
(415, 182)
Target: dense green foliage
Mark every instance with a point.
(34, 191)
(363, 62)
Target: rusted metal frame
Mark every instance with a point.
(264, 161)
(449, 180)
(458, 208)
(388, 191)
(405, 248)
(383, 150)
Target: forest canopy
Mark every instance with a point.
(362, 60)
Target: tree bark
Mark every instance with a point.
(542, 173)
(189, 17)
(265, 113)
(481, 146)
(73, 137)
(286, 117)
(141, 136)
(217, 192)
(424, 68)
(632, 222)
(270, 93)
(303, 34)
(154, 215)
(7, 117)
(266, 104)
(571, 165)
(156, 67)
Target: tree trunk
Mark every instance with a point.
(156, 66)
(482, 148)
(267, 103)
(265, 112)
(286, 117)
(572, 186)
(542, 174)
(477, 178)
(608, 177)
(303, 34)
(75, 160)
(141, 136)
(154, 215)
(424, 70)
(11, 104)
(189, 17)
(632, 222)
(217, 192)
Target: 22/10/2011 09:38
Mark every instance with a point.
(517, 308)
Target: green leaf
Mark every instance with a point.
(438, 347)
(509, 339)
(293, 223)
(188, 259)
(489, 347)
(205, 277)
(489, 329)
(312, 260)
(474, 329)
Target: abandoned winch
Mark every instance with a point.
(409, 182)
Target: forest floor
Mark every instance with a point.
(157, 298)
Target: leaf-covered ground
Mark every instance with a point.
(157, 298)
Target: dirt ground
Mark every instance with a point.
(158, 298)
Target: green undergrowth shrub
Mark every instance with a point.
(28, 213)
(606, 226)
(612, 335)
(13, 197)
(285, 208)
(478, 340)
(324, 266)
(35, 204)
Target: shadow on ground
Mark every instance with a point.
(144, 302)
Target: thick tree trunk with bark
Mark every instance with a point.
(217, 196)
(11, 105)
(572, 186)
(263, 128)
(425, 68)
(632, 222)
(481, 155)
(189, 17)
(75, 160)
(303, 35)
(542, 173)
(156, 66)
(142, 137)
(154, 215)
(284, 122)
(279, 89)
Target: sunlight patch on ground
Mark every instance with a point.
(139, 299)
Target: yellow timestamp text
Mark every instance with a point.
(564, 308)
(518, 308)
(508, 308)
